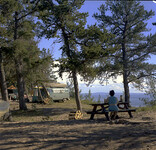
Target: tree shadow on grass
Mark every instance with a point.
(76, 134)
(40, 112)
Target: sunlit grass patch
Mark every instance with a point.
(147, 108)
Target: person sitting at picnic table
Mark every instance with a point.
(113, 108)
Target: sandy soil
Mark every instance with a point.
(55, 132)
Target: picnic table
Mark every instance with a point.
(102, 108)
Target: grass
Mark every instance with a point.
(42, 112)
(86, 102)
(147, 108)
(54, 111)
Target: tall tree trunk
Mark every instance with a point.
(74, 72)
(20, 84)
(126, 88)
(19, 70)
(3, 85)
(125, 68)
(125, 75)
(76, 87)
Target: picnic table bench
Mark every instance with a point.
(123, 107)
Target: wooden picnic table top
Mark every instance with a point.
(121, 105)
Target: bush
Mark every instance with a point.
(151, 92)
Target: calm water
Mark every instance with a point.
(134, 98)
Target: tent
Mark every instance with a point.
(11, 87)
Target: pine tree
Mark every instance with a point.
(80, 46)
(4, 15)
(22, 32)
(19, 29)
(23, 60)
(127, 23)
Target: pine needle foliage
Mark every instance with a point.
(80, 46)
(127, 21)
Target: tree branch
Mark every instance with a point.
(33, 10)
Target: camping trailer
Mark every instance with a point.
(55, 91)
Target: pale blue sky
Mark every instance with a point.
(91, 7)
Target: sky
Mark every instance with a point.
(91, 6)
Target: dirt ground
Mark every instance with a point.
(49, 129)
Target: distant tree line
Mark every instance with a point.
(114, 46)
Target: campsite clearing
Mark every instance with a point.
(47, 127)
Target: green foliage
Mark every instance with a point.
(127, 23)
(24, 61)
(89, 46)
(80, 45)
(150, 91)
(36, 65)
(123, 23)
(38, 68)
(149, 102)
